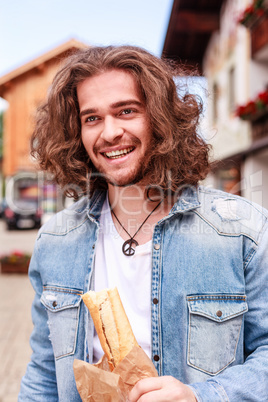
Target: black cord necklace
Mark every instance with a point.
(127, 247)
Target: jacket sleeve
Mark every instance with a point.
(249, 381)
(39, 382)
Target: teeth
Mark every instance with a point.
(118, 154)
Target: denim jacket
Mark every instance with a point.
(209, 296)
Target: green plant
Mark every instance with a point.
(252, 12)
(253, 107)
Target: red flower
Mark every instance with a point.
(260, 12)
(240, 111)
(249, 10)
(257, 9)
(250, 108)
(263, 97)
(17, 253)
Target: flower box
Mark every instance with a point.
(255, 109)
(254, 13)
(7, 268)
(16, 262)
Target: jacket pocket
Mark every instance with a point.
(214, 327)
(62, 305)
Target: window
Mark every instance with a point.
(215, 102)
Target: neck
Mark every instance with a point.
(131, 200)
(131, 210)
(132, 207)
(135, 212)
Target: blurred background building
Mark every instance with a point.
(226, 41)
(25, 89)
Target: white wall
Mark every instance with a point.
(258, 77)
(255, 174)
(229, 48)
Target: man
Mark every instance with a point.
(190, 263)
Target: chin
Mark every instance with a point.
(125, 181)
(124, 178)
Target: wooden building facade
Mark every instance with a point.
(24, 89)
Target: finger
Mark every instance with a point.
(154, 396)
(144, 386)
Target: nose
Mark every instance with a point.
(111, 129)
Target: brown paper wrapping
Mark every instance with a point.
(96, 383)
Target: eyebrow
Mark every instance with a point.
(115, 105)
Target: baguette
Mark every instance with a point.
(111, 324)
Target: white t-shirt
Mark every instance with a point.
(130, 274)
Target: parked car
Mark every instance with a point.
(3, 205)
(22, 214)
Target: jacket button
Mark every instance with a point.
(219, 313)
(54, 304)
(155, 300)
(157, 246)
(156, 358)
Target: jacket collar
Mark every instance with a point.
(187, 200)
(95, 204)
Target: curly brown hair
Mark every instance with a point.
(178, 156)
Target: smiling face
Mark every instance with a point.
(115, 125)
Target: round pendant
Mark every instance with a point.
(127, 248)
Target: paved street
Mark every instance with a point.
(16, 297)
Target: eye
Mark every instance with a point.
(91, 118)
(127, 111)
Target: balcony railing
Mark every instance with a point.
(256, 112)
(255, 18)
(260, 127)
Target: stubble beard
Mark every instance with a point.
(132, 178)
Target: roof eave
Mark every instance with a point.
(39, 61)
